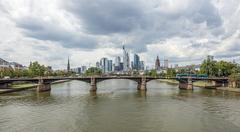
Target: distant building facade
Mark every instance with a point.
(126, 60)
(157, 64)
(104, 65)
(165, 64)
(136, 62)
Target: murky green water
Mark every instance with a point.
(118, 107)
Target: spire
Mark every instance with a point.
(123, 47)
(68, 65)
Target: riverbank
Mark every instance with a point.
(24, 86)
(229, 89)
(203, 84)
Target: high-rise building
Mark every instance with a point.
(136, 62)
(77, 70)
(117, 61)
(97, 64)
(83, 68)
(157, 64)
(110, 65)
(121, 66)
(104, 65)
(126, 60)
(165, 63)
(68, 65)
(142, 65)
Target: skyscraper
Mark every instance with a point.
(166, 63)
(104, 65)
(136, 62)
(117, 61)
(110, 65)
(157, 64)
(97, 64)
(68, 65)
(126, 60)
(142, 65)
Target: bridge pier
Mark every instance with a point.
(217, 84)
(3, 85)
(233, 84)
(186, 84)
(93, 84)
(43, 86)
(142, 85)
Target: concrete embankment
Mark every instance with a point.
(24, 86)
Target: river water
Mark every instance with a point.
(119, 107)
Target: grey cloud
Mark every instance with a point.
(108, 16)
(42, 30)
(124, 19)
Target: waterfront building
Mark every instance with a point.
(157, 64)
(13, 65)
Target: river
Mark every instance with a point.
(119, 107)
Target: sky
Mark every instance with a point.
(184, 32)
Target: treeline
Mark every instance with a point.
(35, 69)
(219, 68)
(210, 67)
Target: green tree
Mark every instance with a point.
(209, 67)
(35, 69)
(227, 68)
(93, 71)
(171, 72)
(152, 73)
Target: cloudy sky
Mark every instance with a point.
(184, 31)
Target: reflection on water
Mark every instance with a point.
(118, 106)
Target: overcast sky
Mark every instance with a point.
(184, 31)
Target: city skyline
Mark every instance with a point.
(182, 32)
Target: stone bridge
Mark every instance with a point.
(44, 84)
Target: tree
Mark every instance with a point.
(35, 69)
(152, 73)
(93, 71)
(209, 67)
(171, 72)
